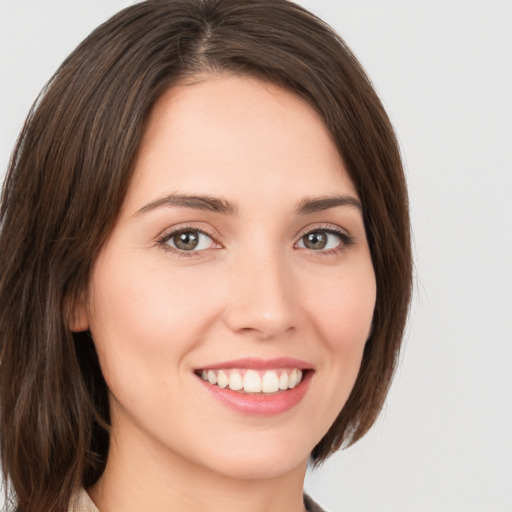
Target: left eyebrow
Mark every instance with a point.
(318, 204)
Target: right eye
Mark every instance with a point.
(187, 240)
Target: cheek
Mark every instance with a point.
(341, 311)
(344, 308)
(144, 315)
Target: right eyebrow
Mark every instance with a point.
(197, 202)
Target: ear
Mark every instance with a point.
(77, 315)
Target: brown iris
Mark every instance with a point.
(186, 240)
(316, 240)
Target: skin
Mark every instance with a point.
(253, 290)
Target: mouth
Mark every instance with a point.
(251, 381)
(257, 387)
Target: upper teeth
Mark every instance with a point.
(252, 381)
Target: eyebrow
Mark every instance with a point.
(318, 204)
(209, 203)
(217, 205)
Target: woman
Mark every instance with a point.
(205, 263)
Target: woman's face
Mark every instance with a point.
(239, 259)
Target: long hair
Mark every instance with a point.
(67, 179)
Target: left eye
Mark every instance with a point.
(320, 240)
(189, 240)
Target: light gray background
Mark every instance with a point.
(444, 71)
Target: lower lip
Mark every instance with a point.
(260, 405)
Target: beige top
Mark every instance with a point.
(83, 503)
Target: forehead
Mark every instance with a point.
(236, 136)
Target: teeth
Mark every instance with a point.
(270, 382)
(212, 378)
(283, 381)
(293, 379)
(253, 381)
(235, 381)
(222, 379)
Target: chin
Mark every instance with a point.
(260, 466)
(266, 454)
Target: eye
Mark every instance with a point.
(324, 240)
(187, 240)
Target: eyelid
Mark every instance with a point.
(322, 227)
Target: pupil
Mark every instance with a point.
(186, 241)
(316, 240)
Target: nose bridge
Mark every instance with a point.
(261, 299)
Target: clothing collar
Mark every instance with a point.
(83, 503)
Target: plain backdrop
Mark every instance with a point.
(443, 69)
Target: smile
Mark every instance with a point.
(257, 387)
(254, 381)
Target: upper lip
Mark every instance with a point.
(260, 364)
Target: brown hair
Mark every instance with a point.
(67, 179)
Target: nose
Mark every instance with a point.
(261, 298)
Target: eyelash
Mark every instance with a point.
(345, 239)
